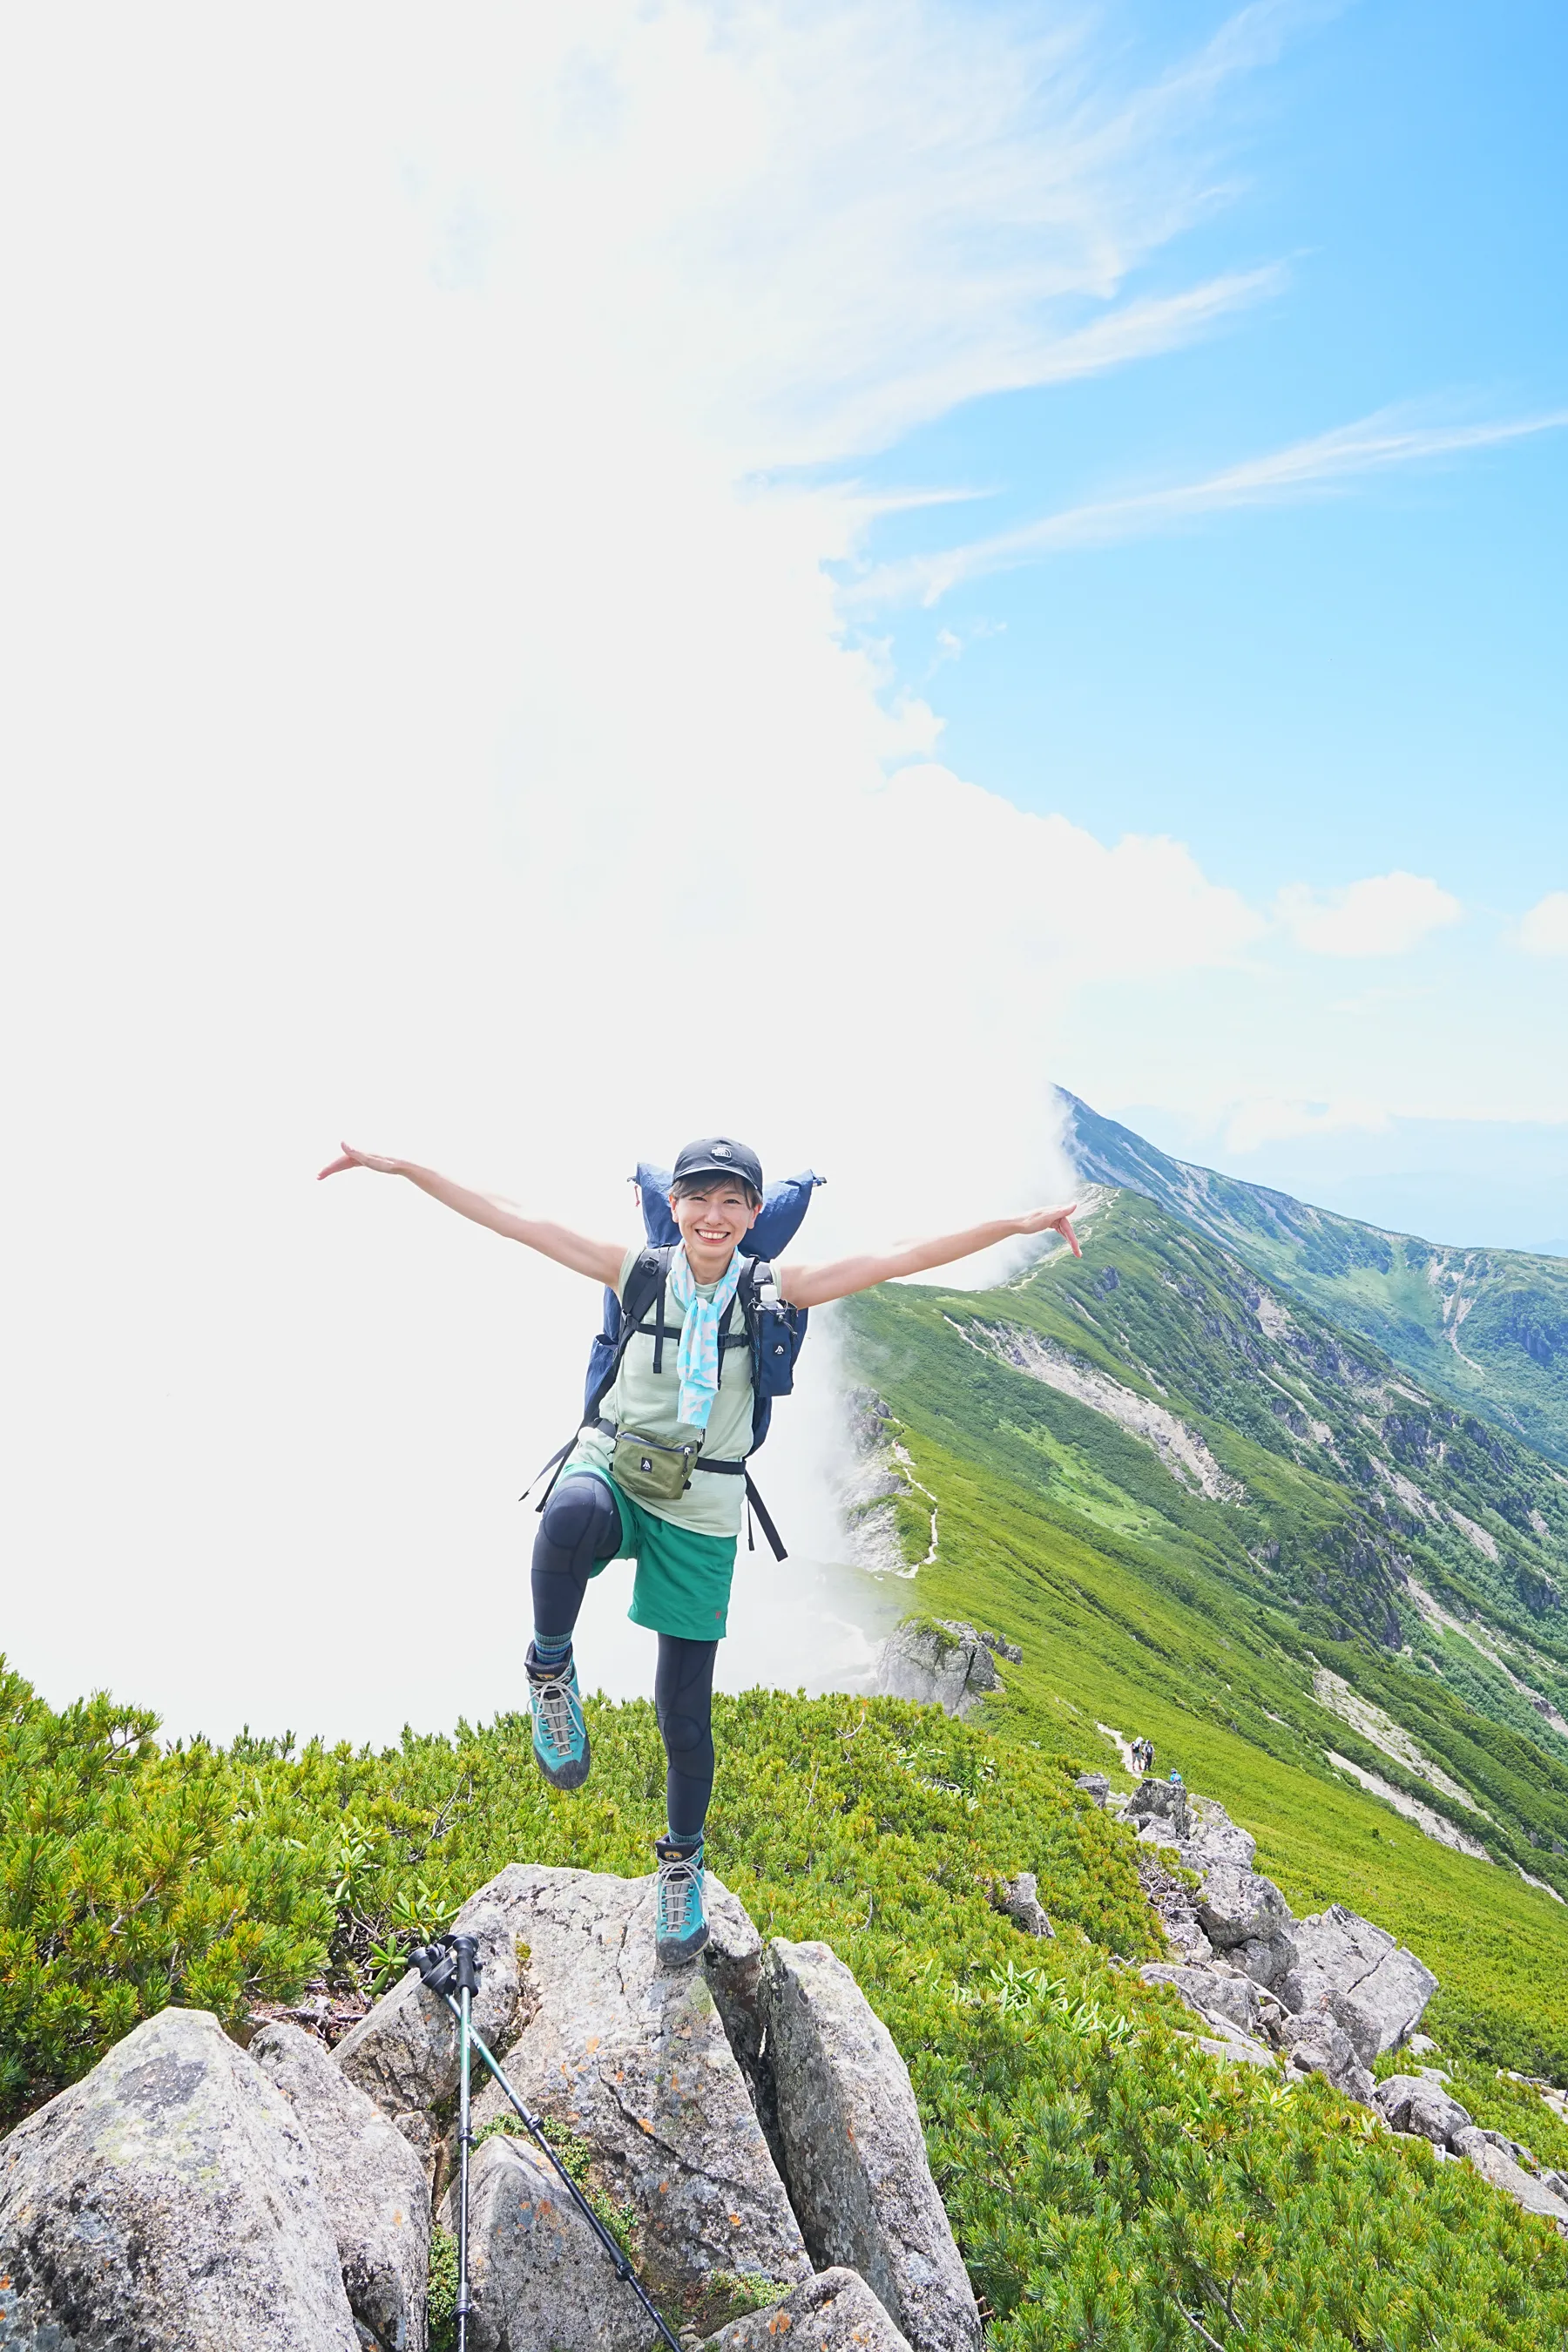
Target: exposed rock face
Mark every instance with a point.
(1094, 1785)
(1162, 1804)
(1381, 1989)
(834, 2312)
(1503, 2172)
(942, 1663)
(1019, 1900)
(404, 2054)
(538, 2274)
(372, 2181)
(1411, 2103)
(1319, 2046)
(1221, 1995)
(635, 2061)
(1240, 1907)
(1001, 1648)
(854, 2150)
(168, 2199)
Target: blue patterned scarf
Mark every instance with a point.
(697, 1361)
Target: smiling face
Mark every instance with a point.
(713, 1222)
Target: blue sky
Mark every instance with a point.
(1364, 679)
(473, 479)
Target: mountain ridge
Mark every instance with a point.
(1488, 1327)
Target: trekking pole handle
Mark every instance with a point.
(534, 2124)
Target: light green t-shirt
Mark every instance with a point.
(646, 1400)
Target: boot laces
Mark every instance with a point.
(555, 1702)
(680, 1894)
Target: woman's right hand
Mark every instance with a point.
(353, 1159)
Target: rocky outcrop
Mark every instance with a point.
(189, 2193)
(538, 2275)
(854, 2152)
(937, 1662)
(634, 2061)
(404, 2055)
(168, 2199)
(1333, 1990)
(1502, 2162)
(372, 2181)
(1377, 1989)
(1419, 2106)
(834, 2312)
(1318, 2045)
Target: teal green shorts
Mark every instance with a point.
(683, 1578)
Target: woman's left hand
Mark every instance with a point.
(1048, 1220)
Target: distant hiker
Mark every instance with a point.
(1142, 1754)
(681, 1400)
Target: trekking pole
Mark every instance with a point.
(439, 1969)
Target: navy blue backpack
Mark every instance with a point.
(772, 1330)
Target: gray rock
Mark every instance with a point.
(1319, 2046)
(854, 2150)
(1001, 1648)
(1500, 2170)
(1227, 2044)
(1421, 2045)
(168, 2199)
(1240, 1907)
(537, 2273)
(1266, 1960)
(937, 1662)
(1217, 1993)
(403, 2054)
(373, 2185)
(1513, 2149)
(1409, 2104)
(1018, 1899)
(1163, 1805)
(834, 2312)
(1095, 1785)
(1338, 1952)
(1212, 1837)
(636, 2063)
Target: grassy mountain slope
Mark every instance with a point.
(1360, 1537)
(1486, 1327)
(1111, 2189)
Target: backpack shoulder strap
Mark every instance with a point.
(643, 1286)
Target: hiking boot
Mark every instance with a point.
(560, 1733)
(679, 1921)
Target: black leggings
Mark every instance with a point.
(580, 1527)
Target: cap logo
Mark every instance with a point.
(722, 1151)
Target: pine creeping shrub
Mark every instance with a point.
(1111, 2189)
(130, 1878)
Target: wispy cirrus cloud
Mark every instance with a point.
(1374, 444)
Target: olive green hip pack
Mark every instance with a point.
(651, 1469)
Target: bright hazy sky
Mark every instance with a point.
(582, 575)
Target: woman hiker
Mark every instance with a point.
(687, 1389)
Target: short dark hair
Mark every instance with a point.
(710, 1180)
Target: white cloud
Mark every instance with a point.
(1304, 469)
(1544, 931)
(1385, 915)
(421, 729)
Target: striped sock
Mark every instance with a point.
(551, 1652)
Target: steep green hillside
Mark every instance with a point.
(1210, 1517)
(1110, 2189)
(1486, 1327)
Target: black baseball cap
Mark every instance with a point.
(719, 1155)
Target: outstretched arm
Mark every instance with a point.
(815, 1286)
(599, 1260)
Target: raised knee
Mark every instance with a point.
(582, 1511)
